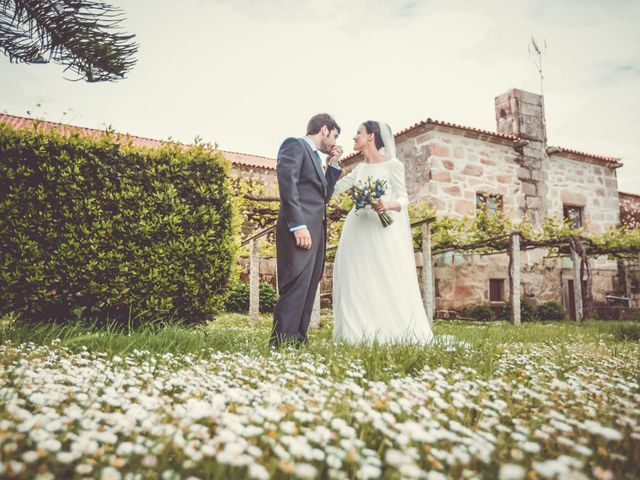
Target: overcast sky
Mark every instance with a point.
(248, 73)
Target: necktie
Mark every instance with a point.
(317, 155)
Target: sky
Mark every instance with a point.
(246, 74)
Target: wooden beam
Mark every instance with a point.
(315, 313)
(254, 280)
(514, 277)
(577, 284)
(428, 297)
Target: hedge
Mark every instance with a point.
(112, 230)
(238, 300)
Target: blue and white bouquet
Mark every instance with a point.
(368, 193)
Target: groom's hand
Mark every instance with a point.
(303, 238)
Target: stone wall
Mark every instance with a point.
(265, 176)
(448, 170)
(593, 187)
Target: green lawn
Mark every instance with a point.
(543, 400)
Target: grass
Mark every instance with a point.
(538, 401)
(232, 332)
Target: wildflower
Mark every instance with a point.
(410, 470)
(44, 476)
(368, 471)
(66, 457)
(110, 473)
(84, 469)
(551, 469)
(530, 447)
(305, 470)
(510, 471)
(396, 458)
(150, 461)
(258, 472)
(30, 456)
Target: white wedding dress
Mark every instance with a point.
(376, 296)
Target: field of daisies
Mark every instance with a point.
(540, 401)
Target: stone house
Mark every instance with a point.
(457, 168)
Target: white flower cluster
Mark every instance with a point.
(66, 414)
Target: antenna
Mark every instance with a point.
(538, 61)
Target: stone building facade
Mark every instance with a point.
(457, 168)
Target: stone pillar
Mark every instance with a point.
(254, 280)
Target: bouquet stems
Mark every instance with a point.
(385, 219)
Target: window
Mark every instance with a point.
(492, 203)
(437, 288)
(573, 215)
(496, 289)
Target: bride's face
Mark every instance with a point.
(361, 139)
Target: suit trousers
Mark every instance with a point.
(292, 313)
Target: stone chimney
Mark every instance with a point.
(521, 114)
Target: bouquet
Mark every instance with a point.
(368, 193)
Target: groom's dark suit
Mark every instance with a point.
(304, 192)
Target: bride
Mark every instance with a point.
(376, 297)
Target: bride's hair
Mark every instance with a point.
(371, 126)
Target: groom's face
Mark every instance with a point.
(327, 139)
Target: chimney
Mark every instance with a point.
(521, 113)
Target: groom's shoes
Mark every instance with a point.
(277, 343)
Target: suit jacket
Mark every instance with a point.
(304, 192)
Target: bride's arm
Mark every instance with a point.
(346, 182)
(399, 201)
(398, 185)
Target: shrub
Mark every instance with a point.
(527, 311)
(482, 313)
(111, 230)
(238, 300)
(551, 311)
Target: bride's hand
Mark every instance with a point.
(385, 205)
(380, 206)
(334, 155)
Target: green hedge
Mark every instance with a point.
(113, 230)
(238, 300)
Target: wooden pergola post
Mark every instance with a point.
(315, 313)
(254, 280)
(577, 284)
(427, 273)
(514, 277)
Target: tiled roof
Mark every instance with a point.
(473, 130)
(627, 194)
(583, 154)
(237, 159)
(487, 133)
(469, 130)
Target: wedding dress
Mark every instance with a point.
(376, 296)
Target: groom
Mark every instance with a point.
(305, 188)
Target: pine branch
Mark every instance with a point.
(83, 35)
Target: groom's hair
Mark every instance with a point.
(320, 120)
(371, 126)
